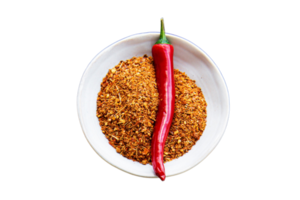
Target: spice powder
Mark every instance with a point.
(127, 105)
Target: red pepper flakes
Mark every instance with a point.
(127, 105)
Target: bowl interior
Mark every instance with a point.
(188, 58)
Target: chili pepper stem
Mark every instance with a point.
(162, 38)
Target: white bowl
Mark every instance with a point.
(188, 58)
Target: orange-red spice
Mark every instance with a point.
(127, 106)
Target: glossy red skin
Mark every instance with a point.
(163, 62)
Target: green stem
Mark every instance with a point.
(162, 38)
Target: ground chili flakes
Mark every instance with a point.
(127, 105)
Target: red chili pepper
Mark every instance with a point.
(162, 53)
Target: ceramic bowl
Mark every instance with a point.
(188, 58)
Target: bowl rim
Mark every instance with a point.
(154, 32)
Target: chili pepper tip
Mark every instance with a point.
(162, 177)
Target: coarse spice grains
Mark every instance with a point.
(127, 105)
